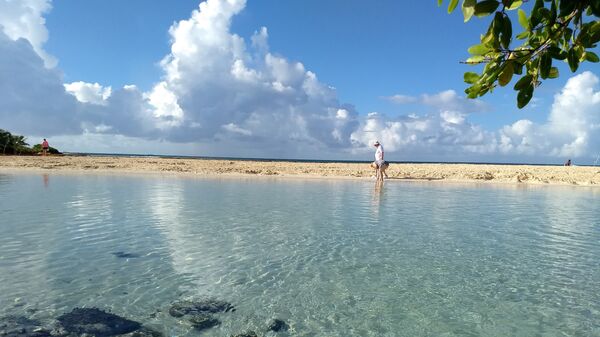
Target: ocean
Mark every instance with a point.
(326, 257)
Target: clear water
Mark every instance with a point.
(331, 258)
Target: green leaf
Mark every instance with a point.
(553, 72)
(553, 13)
(498, 25)
(473, 91)
(478, 49)
(592, 57)
(522, 35)
(506, 74)
(475, 59)
(595, 38)
(440, 2)
(573, 59)
(468, 9)
(544, 13)
(516, 4)
(545, 65)
(595, 27)
(523, 82)
(488, 38)
(471, 77)
(506, 32)
(579, 51)
(557, 53)
(566, 7)
(535, 14)
(486, 8)
(524, 96)
(523, 19)
(568, 33)
(517, 67)
(452, 6)
(595, 7)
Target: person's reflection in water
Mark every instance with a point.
(376, 198)
(46, 179)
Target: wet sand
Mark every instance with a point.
(521, 174)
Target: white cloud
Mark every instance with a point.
(433, 135)
(401, 99)
(572, 128)
(89, 92)
(22, 19)
(229, 89)
(452, 117)
(98, 142)
(447, 99)
(342, 114)
(165, 107)
(32, 97)
(236, 129)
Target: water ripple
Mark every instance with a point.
(330, 258)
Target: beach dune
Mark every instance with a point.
(522, 174)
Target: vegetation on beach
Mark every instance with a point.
(554, 30)
(17, 145)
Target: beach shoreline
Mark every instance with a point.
(480, 173)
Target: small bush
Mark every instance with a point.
(37, 148)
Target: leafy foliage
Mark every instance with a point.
(37, 148)
(554, 30)
(17, 145)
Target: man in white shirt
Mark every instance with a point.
(380, 165)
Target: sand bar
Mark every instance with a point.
(521, 174)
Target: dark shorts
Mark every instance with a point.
(380, 163)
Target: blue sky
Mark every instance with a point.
(354, 58)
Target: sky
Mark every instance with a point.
(276, 79)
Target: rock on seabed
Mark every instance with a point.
(95, 322)
(182, 308)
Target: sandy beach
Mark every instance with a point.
(520, 174)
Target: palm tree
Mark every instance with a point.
(5, 139)
(19, 144)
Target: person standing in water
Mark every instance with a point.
(380, 164)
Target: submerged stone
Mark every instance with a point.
(95, 322)
(179, 309)
(246, 334)
(278, 325)
(19, 326)
(125, 255)
(143, 332)
(204, 321)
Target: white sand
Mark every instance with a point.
(522, 174)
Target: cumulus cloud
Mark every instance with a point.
(447, 99)
(215, 87)
(401, 99)
(89, 92)
(572, 128)
(225, 88)
(23, 19)
(419, 136)
(32, 97)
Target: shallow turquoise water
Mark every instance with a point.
(331, 258)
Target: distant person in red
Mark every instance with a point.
(45, 147)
